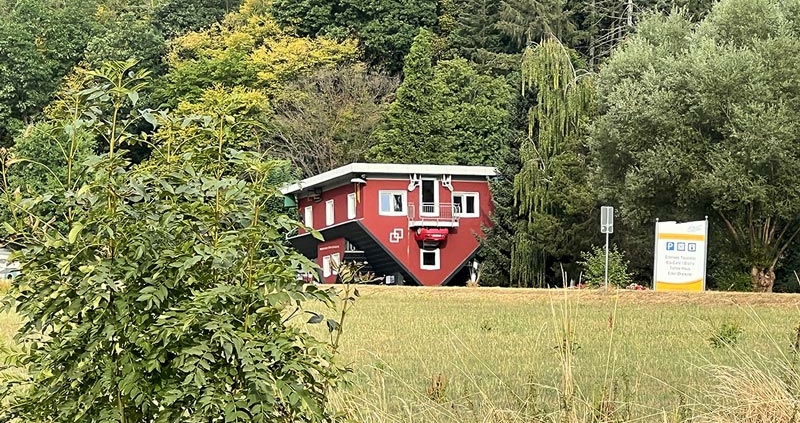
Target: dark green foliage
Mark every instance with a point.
(495, 253)
(177, 17)
(40, 41)
(25, 79)
(444, 114)
(726, 270)
(307, 17)
(728, 274)
(386, 28)
(493, 34)
(474, 36)
(61, 29)
(524, 22)
(694, 9)
(167, 296)
(126, 37)
(787, 275)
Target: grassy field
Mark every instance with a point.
(460, 354)
(495, 355)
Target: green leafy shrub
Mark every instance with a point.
(167, 298)
(733, 280)
(727, 272)
(594, 263)
(727, 334)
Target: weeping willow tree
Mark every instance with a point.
(564, 99)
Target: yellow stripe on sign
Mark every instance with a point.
(683, 286)
(683, 237)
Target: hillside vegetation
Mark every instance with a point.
(142, 145)
(663, 109)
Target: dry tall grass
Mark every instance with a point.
(758, 389)
(752, 394)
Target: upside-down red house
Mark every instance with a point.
(414, 224)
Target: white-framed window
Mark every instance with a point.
(335, 257)
(430, 259)
(329, 213)
(308, 216)
(465, 204)
(351, 206)
(392, 203)
(326, 266)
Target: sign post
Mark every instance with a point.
(680, 256)
(606, 227)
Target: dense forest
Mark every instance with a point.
(670, 109)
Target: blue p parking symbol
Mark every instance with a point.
(670, 246)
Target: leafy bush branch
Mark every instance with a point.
(165, 297)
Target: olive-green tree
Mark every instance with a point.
(385, 28)
(701, 120)
(447, 113)
(124, 36)
(40, 42)
(329, 119)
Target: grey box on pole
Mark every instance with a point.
(607, 220)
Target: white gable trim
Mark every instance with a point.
(388, 169)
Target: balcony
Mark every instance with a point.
(432, 215)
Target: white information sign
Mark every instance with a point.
(606, 220)
(680, 256)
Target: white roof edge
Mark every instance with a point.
(389, 168)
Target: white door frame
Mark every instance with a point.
(435, 212)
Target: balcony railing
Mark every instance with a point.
(433, 215)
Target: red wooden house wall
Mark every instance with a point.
(460, 244)
(393, 232)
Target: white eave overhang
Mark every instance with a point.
(341, 174)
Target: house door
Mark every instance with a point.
(429, 197)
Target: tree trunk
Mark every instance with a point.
(763, 278)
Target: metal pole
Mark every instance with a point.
(655, 259)
(606, 278)
(705, 256)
